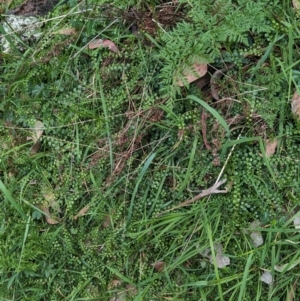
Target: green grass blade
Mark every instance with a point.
(219, 118)
(107, 123)
(12, 201)
(266, 55)
(24, 241)
(244, 280)
(188, 172)
(140, 177)
(213, 253)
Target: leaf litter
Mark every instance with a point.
(256, 236)
(191, 73)
(104, 43)
(221, 260)
(267, 277)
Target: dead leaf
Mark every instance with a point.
(115, 283)
(82, 212)
(66, 31)
(6, 2)
(49, 196)
(50, 203)
(221, 260)
(104, 43)
(271, 147)
(192, 73)
(286, 267)
(131, 289)
(296, 4)
(267, 278)
(292, 292)
(297, 222)
(296, 105)
(159, 266)
(37, 132)
(256, 236)
(49, 218)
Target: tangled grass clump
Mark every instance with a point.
(105, 157)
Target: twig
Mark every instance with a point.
(203, 193)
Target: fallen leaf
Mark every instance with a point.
(50, 202)
(6, 2)
(82, 212)
(49, 218)
(292, 292)
(191, 73)
(115, 283)
(271, 145)
(131, 289)
(221, 260)
(256, 236)
(37, 132)
(66, 31)
(104, 43)
(286, 267)
(295, 103)
(297, 222)
(267, 278)
(296, 4)
(159, 266)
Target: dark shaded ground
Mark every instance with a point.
(35, 8)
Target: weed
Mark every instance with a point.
(105, 156)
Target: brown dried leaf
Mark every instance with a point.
(159, 265)
(82, 212)
(271, 145)
(115, 283)
(131, 289)
(104, 43)
(292, 292)
(192, 73)
(49, 218)
(296, 105)
(66, 31)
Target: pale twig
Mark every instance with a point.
(204, 193)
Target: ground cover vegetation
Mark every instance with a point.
(122, 179)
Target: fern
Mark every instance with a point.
(214, 25)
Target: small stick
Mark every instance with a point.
(203, 193)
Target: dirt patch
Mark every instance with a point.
(35, 8)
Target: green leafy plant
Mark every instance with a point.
(92, 203)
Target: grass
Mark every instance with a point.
(99, 150)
